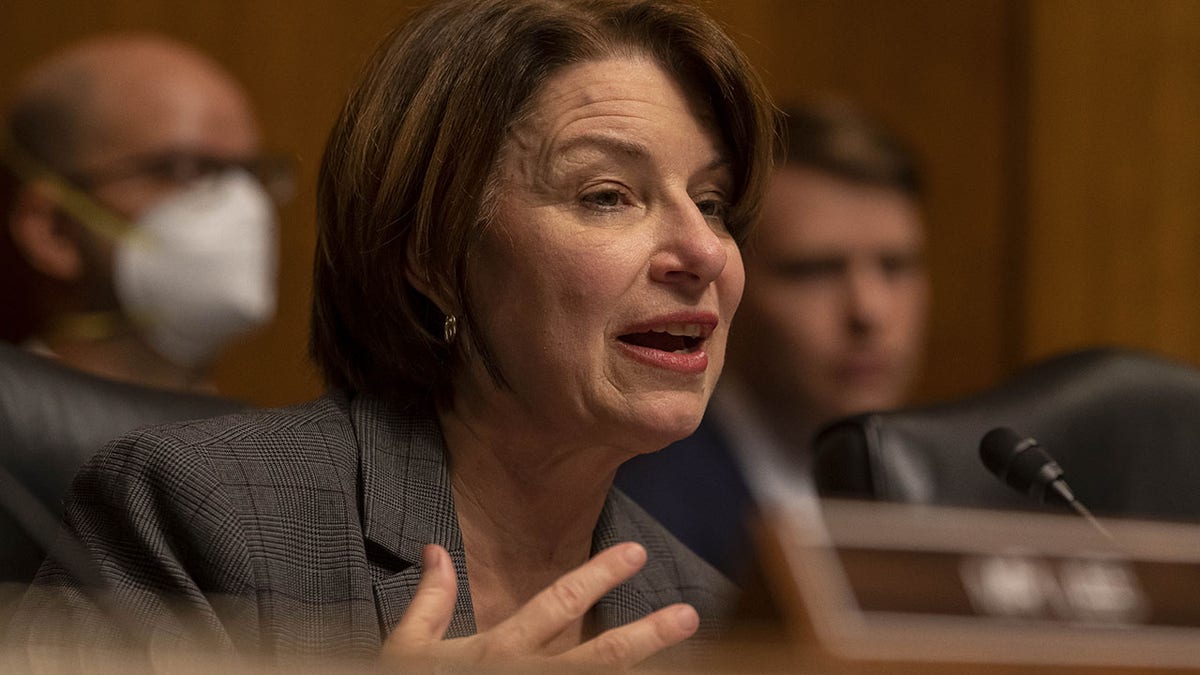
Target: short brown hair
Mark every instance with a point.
(836, 137)
(409, 160)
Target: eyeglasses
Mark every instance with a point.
(180, 168)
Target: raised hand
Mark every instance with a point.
(522, 638)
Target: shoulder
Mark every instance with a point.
(310, 429)
(191, 464)
(215, 474)
(184, 522)
(323, 419)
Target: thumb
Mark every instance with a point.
(432, 607)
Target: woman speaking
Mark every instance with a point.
(527, 264)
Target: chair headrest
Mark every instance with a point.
(52, 417)
(1123, 424)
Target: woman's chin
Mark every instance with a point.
(664, 426)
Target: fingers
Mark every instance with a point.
(421, 631)
(632, 643)
(428, 616)
(570, 597)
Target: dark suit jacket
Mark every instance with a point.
(295, 531)
(696, 489)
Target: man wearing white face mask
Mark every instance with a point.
(137, 211)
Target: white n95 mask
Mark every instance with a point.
(199, 267)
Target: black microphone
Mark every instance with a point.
(1024, 465)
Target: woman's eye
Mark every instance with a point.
(603, 200)
(713, 208)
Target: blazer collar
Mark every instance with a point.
(406, 504)
(406, 497)
(632, 599)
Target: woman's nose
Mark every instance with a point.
(693, 249)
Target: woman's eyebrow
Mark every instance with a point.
(607, 144)
(590, 149)
(602, 143)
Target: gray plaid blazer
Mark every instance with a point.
(294, 532)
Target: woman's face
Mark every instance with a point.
(606, 280)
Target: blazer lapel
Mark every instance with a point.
(631, 600)
(406, 504)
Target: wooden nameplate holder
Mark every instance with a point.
(870, 586)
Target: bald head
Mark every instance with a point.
(128, 118)
(117, 97)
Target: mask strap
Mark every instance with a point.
(73, 201)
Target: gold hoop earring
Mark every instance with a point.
(450, 328)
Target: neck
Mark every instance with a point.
(527, 507)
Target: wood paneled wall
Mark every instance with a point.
(1060, 142)
(1113, 230)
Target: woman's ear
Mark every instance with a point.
(47, 241)
(417, 274)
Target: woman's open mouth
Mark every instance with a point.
(675, 338)
(677, 346)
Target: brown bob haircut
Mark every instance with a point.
(411, 157)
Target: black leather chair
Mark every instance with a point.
(1124, 425)
(52, 419)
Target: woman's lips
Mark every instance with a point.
(682, 362)
(673, 342)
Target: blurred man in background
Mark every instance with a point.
(137, 229)
(832, 323)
